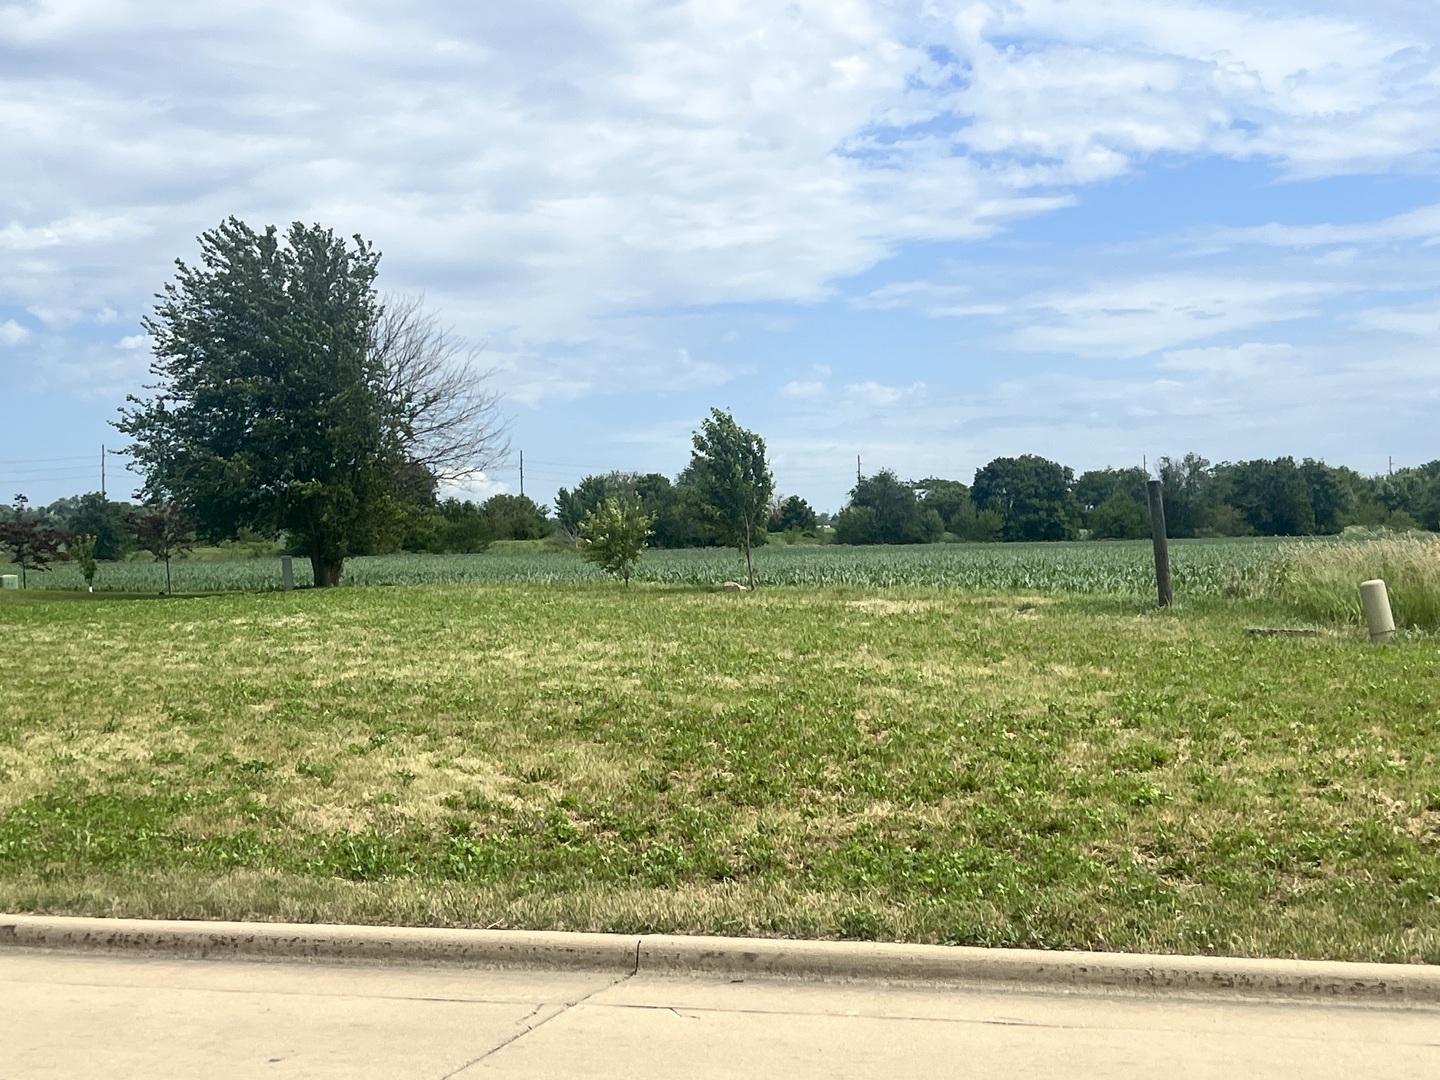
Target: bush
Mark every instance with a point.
(463, 528)
(1322, 580)
(1120, 517)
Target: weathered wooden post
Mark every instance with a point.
(1156, 492)
(287, 573)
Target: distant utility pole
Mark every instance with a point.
(857, 468)
(1390, 468)
(102, 470)
(522, 474)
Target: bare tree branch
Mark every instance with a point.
(446, 418)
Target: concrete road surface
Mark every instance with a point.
(66, 1015)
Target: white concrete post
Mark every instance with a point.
(9, 581)
(1375, 601)
(287, 572)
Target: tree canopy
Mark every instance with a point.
(1032, 497)
(732, 478)
(793, 514)
(613, 534)
(287, 401)
(884, 510)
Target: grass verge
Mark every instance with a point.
(917, 765)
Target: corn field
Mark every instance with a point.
(1200, 568)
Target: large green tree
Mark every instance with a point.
(95, 515)
(516, 517)
(792, 515)
(884, 510)
(951, 500)
(1032, 497)
(1273, 496)
(732, 478)
(1192, 494)
(287, 399)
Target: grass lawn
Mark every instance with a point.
(918, 765)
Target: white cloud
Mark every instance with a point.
(12, 333)
(475, 489)
(134, 341)
(1421, 322)
(795, 389)
(1137, 316)
(1422, 224)
(876, 393)
(1236, 362)
(546, 171)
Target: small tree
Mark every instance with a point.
(164, 530)
(734, 481)
(82, 550)
(30, 543)
(613, 535)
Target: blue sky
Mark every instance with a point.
(928, 233)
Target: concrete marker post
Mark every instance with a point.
(1375, 602)
(9, 581)
(287, 573)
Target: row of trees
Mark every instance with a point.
(728, 485)
(1024, 498)
(1031, 498)
(89, 529)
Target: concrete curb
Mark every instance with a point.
(303, 941)
(735, 957)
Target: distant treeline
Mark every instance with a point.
(1031, 498)
(1023, 498)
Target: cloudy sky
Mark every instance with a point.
(928, 232)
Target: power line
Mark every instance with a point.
(46, 478)
(43, 460)
(52, 474)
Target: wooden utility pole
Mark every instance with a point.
(522, 474)
(102, 470)
(857, 468)
(1156, 492)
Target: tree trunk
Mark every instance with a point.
(167, 575)
(326, 570)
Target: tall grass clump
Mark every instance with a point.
(1322, 580)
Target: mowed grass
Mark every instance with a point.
(918, 765)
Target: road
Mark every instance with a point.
(73, 1015)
